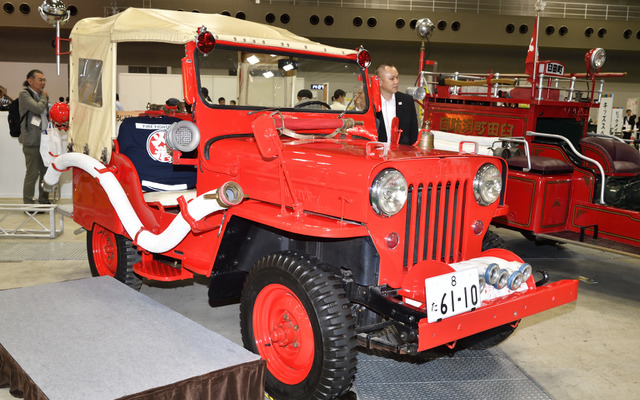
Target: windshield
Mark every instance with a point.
(251, 79)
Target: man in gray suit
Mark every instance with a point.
(33, 106)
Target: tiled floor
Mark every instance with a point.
(584, 350)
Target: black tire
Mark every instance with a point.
(317, 357)
(113, 255)
(491, 240)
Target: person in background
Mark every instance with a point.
(395, 104)
(119, 106)
(171, 105)
(305, 96)
(232, 102)
(338, 100)
(205, 94)
(359, 101)
(33, 105)
(222, 101)
(628, 125)
(4, 99)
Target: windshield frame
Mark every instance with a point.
(346, 59)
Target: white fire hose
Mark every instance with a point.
(229, 194)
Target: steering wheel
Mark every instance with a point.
(312, 102)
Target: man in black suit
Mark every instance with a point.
(395, 104)
(628, 124)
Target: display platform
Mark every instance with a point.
(94, 339)
(461, 375)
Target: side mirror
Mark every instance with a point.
(375, 93)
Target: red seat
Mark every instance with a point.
(541, 165)
(617, 158)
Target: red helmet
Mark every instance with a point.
(59, 115)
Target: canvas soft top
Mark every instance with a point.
(93, 125)
(179, 27)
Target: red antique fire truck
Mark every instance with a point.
(564, 183)
(329, 238)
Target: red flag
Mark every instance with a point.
(532, 55)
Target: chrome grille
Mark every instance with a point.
(435, 217)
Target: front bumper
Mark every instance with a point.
(499, 312)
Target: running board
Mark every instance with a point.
(159, 271)
(597, 243)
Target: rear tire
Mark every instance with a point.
(295, 314)
(112, 255)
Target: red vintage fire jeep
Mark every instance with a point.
(330, 238)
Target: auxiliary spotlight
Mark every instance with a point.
(424, 28)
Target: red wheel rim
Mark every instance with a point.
(105, 257)
(283, 334)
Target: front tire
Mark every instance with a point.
(295, 314)
(112, 255)
(491, 240)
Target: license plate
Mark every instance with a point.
(452, 294)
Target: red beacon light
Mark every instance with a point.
(363, 57)
(59, 115)
(595, 59)
(205, 41)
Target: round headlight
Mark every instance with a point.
(487, 184)
(388, 192)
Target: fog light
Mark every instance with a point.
(526, 271)
(515, 280)
(492, 274)
(392, 240)
(477, 227)
(503, 279)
